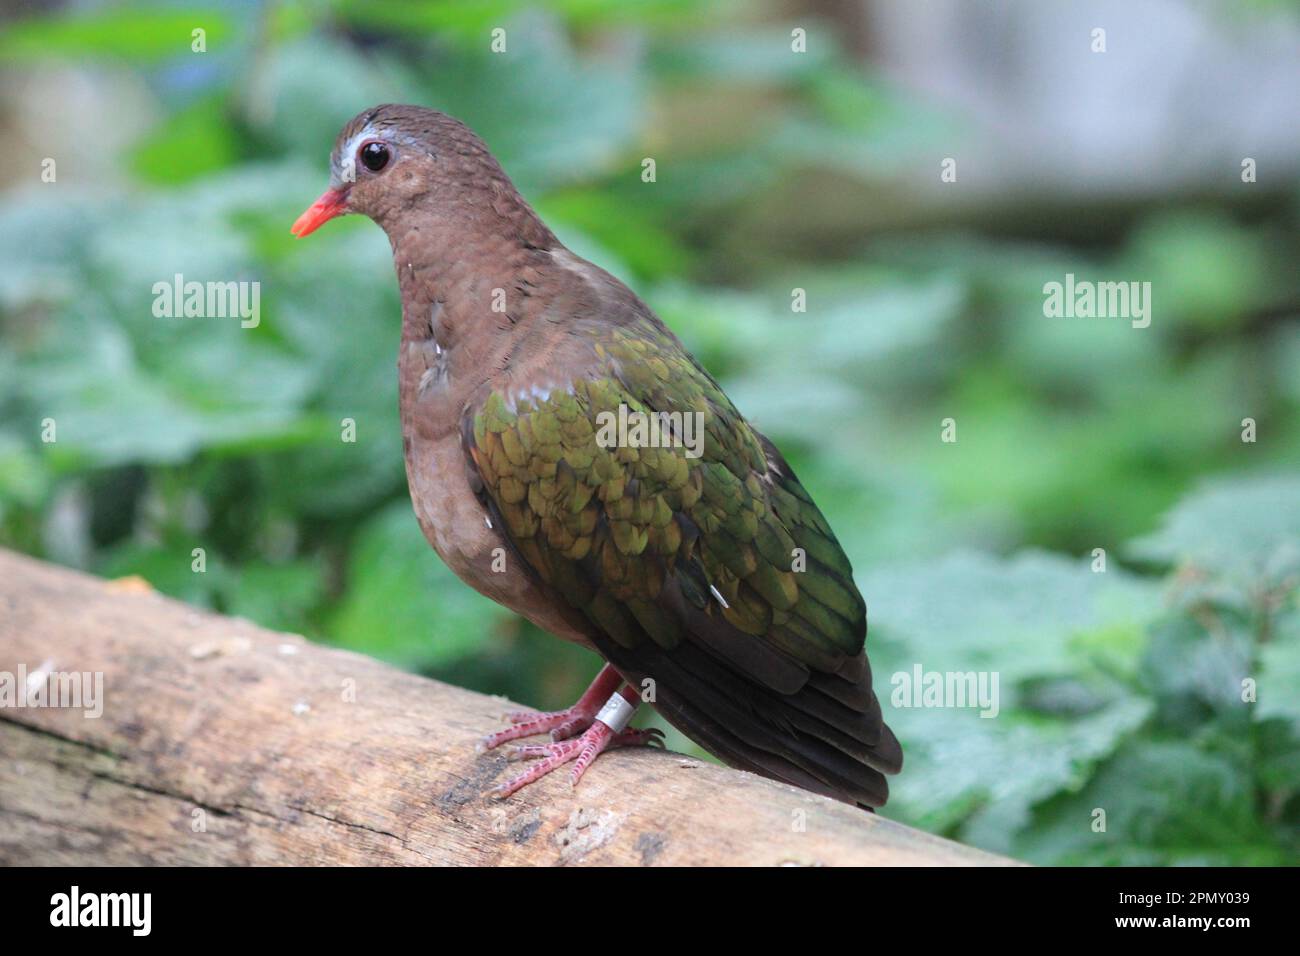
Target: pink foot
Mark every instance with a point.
(562, 724)
(583, 750)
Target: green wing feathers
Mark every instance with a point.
(720, 561)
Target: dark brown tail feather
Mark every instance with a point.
(809, 739)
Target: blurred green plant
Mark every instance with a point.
(1168, 706)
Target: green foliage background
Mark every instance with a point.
(1120, 690)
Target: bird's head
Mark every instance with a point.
(392, 158)
(429, 182)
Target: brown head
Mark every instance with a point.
(398, 164)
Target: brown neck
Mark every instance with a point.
(477, 261)
(466, 277)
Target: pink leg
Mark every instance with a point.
(562, 724)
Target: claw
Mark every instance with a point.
(654, 737)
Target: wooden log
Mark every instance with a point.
(221, 742)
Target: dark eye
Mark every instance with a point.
(374, 156)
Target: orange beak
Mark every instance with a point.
(332, 202)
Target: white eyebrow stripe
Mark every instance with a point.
(349, 149)
(365, 133)
(348, 153)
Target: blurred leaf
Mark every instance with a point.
(190, 143)
(139, 35)
(1203, 268)
(549, 114)
(126, 411)
(1279, 678)
(169, 569)
(862, 127)
(1244, 531)
(470, 19)
(1020, 620)
(403, 605)
(853, 326)
(42, 243)
(1021, 764)
(1286, 349)
(278, 596)
(1165, 803)
(23, 480)
(625, 230)
(1024, 617)
(743, 55)
(316, 85)
(1194, 670)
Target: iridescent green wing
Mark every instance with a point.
(713, 575)
(633, 536)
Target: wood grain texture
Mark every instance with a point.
(224, 743)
